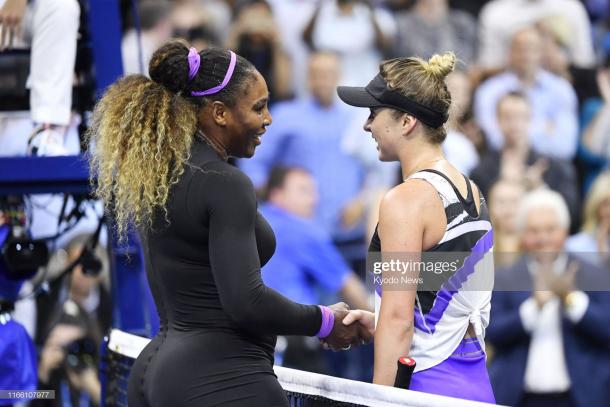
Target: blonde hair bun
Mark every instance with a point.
(440, 66)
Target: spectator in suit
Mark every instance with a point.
(551, 333)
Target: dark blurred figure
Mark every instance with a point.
(473, 7)
(69, 359)
(201, 38)
(213, 15)
(84, 282)
(72, 320)
(398, 5)
(255, 36)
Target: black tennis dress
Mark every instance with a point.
(218, 320)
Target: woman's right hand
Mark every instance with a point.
(343, 336)
(365, 318)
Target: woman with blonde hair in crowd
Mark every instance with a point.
(593, 242)
(436, 213)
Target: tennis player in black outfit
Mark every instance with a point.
(160, 150)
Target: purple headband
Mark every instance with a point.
(194, 62)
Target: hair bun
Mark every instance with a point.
(441, 65)
(169, 66)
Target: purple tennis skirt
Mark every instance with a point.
(462, 375)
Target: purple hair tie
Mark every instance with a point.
(225, 81)
(328, 321)
(194, 62)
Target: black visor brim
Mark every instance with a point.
(357, 96)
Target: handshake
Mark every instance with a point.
(350, 328)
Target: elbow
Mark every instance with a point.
(243, 306)
(242, 315)
(405, 334)
(396, 314)
(400, 327)
(245, 311)
(238, 310)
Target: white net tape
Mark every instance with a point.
(332, 388)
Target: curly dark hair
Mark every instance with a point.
(142, 129)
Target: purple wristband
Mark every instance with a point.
(328, 321)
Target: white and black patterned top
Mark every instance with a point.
(441, 317)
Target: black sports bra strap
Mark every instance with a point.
(469, 194)
(468, 202)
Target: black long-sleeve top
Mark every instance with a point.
(204, 266)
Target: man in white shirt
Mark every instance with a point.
(552, 338)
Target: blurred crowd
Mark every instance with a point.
(530, 124)
(530, 95)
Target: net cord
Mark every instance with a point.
(334, 388)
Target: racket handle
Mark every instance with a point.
(406, 366)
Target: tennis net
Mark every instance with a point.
(303, 389)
